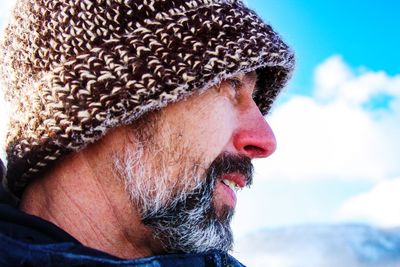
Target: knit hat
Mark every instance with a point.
(72, 69)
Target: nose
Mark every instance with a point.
(254, 137)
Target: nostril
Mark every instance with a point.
(255, 151)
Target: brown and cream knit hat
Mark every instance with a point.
(71, 69)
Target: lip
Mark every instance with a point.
(235, 177)
(228, 194)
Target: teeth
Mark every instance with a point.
(232, 185)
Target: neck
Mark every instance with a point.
(88, 201)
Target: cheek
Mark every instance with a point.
(214, 132)
(204, 123)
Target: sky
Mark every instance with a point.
(364, 33)
(336, 123)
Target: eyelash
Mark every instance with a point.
(235, 83)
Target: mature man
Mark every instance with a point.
(133, 125)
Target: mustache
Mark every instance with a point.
(230, 163)
(223, 164)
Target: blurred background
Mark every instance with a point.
(330, 195)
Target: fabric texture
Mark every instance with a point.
(27, 240)
(74, 69)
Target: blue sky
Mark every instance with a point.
(365, 33)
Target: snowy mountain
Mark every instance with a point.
(347, 245)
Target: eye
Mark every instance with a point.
(235, 84)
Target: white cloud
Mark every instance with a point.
(338, 134)
(336, 81)
(331, 75)
(333, 134)
(350, 245)
(380, 206)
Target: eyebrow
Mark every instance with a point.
(253, 75)
(250, 75)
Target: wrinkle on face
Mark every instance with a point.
(170, 150)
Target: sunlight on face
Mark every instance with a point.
(180, 172)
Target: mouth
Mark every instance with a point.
(228, 186)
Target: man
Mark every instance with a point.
(133, 124)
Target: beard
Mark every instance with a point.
(180, 210)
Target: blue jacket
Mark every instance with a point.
(27, 240)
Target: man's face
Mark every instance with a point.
(188, 161)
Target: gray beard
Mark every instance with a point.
(182, 218)
(190, 223)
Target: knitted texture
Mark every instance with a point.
(72, 69)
